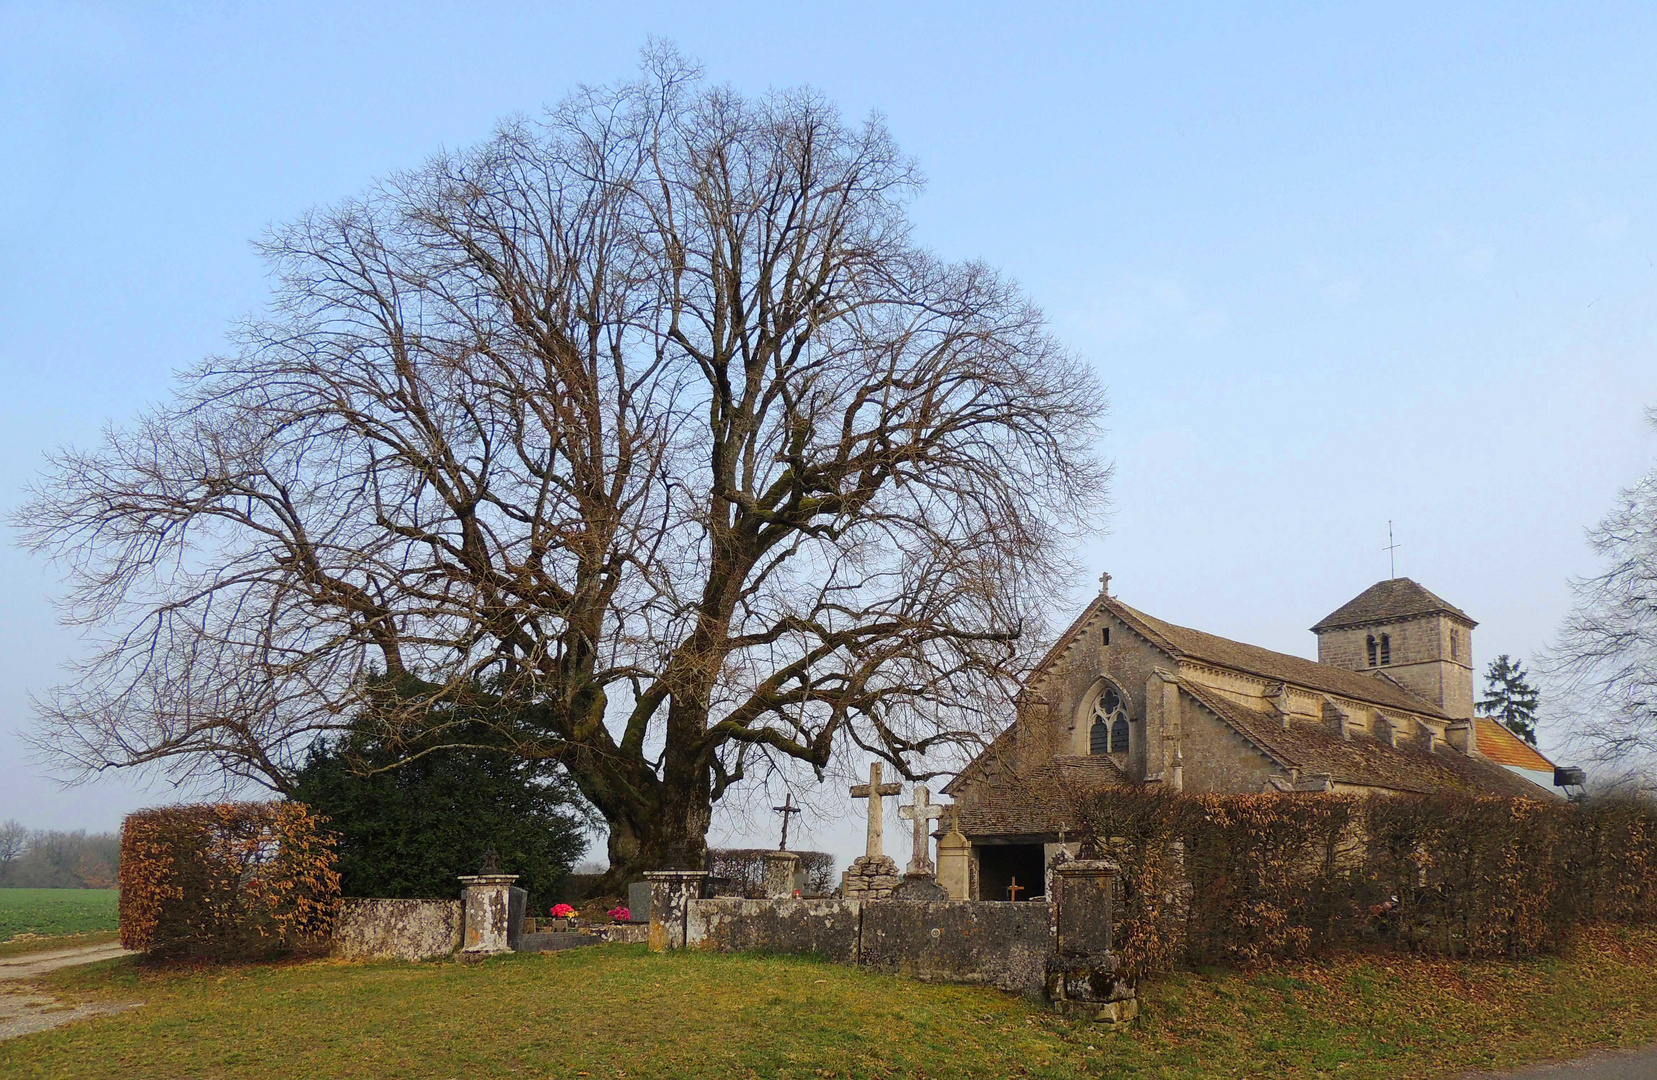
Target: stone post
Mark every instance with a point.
(1082, 975)
(494, 914)
(671, 892)
(955, 862)
(780, 870)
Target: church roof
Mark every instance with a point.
(1362, 759)
(1389, 601)
(1038, 803)
(1182, 642)
(1503, 747)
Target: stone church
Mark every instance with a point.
(1125, 698)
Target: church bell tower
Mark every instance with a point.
(1398, 628)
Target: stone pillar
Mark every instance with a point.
(1082, 975)
(494, 914)
(671, 892)
(955, 863)
(780, 870)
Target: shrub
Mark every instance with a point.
(410, 826)
(227, 881)
(1245, 879)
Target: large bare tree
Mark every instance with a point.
(1604, 662)
(644, 436)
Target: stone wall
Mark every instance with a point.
(828, 928)
(987, 943)
(995, 944)
(398, 929)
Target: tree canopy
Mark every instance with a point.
(650, 416)
(1509, 697)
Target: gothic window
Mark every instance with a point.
(1109, 732)
(1369, 644)
(1386, 649)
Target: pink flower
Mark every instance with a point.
(562, 911)
(620, 914)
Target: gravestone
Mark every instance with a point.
(638, 902)
(781, 869)
(1083, 975)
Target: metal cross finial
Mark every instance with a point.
(1392, 550)
(785, 810)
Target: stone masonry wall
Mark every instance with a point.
(986, 943)
(398, 929)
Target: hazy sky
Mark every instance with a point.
(1336, 265)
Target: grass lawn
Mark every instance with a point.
(618, 1011)
(55, 911)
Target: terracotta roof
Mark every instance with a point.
(1037, 804)
(1363, 759)
(1183, 642)
(1503, 747)
(1387, 601)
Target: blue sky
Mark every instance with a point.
(1337, 264)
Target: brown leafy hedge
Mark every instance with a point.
(226, 881)
(1246, 879)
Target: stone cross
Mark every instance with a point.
(924, 811)
(873, 791)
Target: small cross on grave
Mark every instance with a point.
(873, 791)
(1014, 888)
(787, 808)
(922, 813)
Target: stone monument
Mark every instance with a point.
(872, 876)
(920, 877)
(494, 910)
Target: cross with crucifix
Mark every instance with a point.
(873, 791)
(787, 808)
(922, 813)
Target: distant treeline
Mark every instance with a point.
(46, 859)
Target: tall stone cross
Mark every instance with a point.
(923, 812)
(873, 791)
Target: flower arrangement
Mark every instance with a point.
(563, 911)
(619, 914)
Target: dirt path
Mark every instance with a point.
(24, 1010)
(1607, 1065)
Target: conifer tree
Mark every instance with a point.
(1509, 697)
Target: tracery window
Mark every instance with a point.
(1108, 733)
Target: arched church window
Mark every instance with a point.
(1386, 649)
(1108, 733)
(1369, 644)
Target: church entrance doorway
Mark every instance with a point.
(999, 865)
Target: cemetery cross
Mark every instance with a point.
(873, 791)
(922, 813)
(785, 810)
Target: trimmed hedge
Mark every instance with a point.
(226, 881)
(1247, 879)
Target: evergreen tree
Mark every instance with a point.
(411, 830)
(1509, 697)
